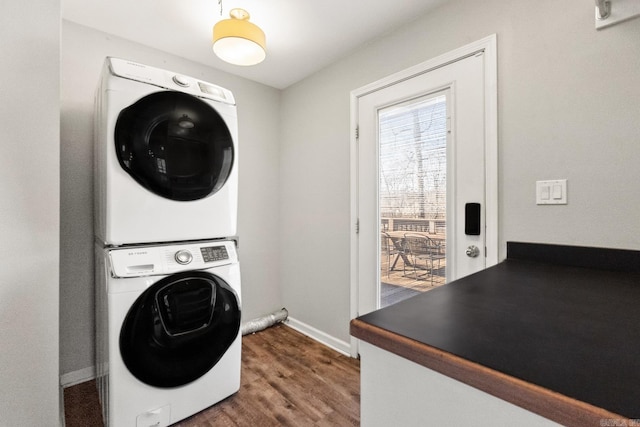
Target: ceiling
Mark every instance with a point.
(302, 36)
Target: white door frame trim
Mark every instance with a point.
(488, 45)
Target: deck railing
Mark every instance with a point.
(422, 225)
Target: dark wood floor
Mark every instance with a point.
(288, 379)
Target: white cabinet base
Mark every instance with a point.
(397, 392)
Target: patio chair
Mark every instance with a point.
(422, 248)
(387, 248)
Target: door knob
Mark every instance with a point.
(473, 251)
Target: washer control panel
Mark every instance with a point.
(214, 253)
(165, 259)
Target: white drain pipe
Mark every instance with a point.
(255, 325)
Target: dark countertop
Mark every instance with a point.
(569, 329)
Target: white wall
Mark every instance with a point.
(29, 230)
(83, 52)
(569, 98)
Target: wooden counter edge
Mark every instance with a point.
(547, 403)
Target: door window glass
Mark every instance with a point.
(175, 145)
(412, 197)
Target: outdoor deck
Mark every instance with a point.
(399, 285)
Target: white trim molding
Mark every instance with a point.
(317, 335)
(76, 377)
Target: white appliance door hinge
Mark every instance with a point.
(358, 226)
(357, 132)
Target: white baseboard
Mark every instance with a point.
(77, 377)
(323, 338)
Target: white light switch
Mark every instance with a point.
(544, 192)
(551, 192)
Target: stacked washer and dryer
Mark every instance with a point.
(167, 272)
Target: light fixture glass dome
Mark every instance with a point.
(238, 41)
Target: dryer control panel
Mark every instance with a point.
(168, 80)
(166, 259)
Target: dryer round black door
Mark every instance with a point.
(179, 328)
(175, 145)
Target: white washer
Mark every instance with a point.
(166, 157)
(168, 338)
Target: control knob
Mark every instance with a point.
(180, 80)
(183, 257)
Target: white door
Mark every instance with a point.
(447, 189)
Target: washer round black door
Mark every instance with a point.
(179, 328)
(175, 145)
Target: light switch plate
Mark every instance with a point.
(552, 192)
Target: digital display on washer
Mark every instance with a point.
(214, 253)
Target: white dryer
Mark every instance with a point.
(166, 157)
(168, 338)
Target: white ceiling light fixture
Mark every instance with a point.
(238, 41)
